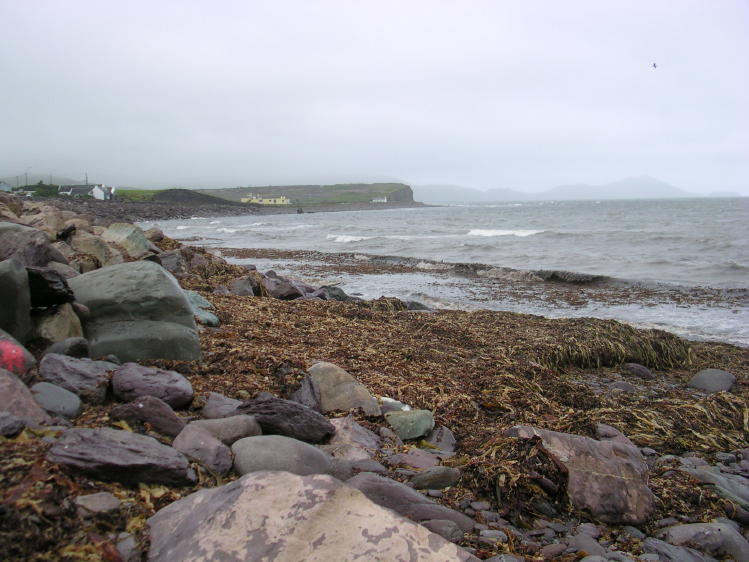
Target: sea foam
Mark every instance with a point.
(491, 232)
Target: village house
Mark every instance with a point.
(260, 200)
(97, 191)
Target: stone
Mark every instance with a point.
(349, 432)
(494, 534)
(228, 430)
(48, 287)
(608, 478)
(127, 548)
(138, 311)
(28, 245)
(245, 286)
(63, 269)
(10, 425)
(128, 237)
(110, 454)
(340, 391)
(551, 551)
(638, 370)
(391, 405)
(436, 477)
(219, 406)
(16, 399)
(624, 386)
(715, 539)
(284, 417)
(15, 316)
(444, 528)
(154, 234)
(415, 459)
(442, 438)
(172, 261)
(277, 452)
(151, 410)
(308, 394)
(670, 553)
(582, 542)
(14, 357)
(282, 516)
(72, 347)
(94, 504)
(197, 443)
(712, 380)
(731, 486)
(279, 287)
(57, 323)
(84, 377)
(411, 424)
(406, 501)
(56, 400)
(200, 309)
(131, 381)
(89, 244)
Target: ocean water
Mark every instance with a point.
(683, 245)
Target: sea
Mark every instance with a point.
(680, 265)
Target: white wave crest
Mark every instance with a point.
(182, 227)
(215, 222)
(489, 232)
(226, 230)
(346, 238)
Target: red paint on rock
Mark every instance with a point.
(11, 357)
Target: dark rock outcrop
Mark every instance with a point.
(30, 246)
(48, 287)
(284, 417)
(151, 410)
(16, 299)
(131, 381)
(84, 377)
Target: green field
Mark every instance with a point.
(137, 194)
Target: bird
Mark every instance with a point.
(655, 65)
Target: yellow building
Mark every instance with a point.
(259, 199)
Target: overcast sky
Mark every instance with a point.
(523, 95)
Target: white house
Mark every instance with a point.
(103, 192)
(97, 191)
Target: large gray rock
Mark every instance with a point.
(128, 237)
(151, 410)
(638, 370)
(349, 432)
(411, 424)
(201, 309)
(281, 288)
(197, 443)
(16, 399)
(219, 406)
(138, 311)
(670, 553)
(10, 425)
(228, 430)
(340, 391)
(284, 417)
(715, 539)
(88, 244)
(84, 377)
(276, 452)
(16, 299)
(73, 347)
(308, 394)
(731, 486)
(57, 323)
(442, 438)
(406, 501)
(608, 478)
(56, 400)
(111, 454)
(131, 381)
(281, 516)
(436, 477)
(712, 380)
(29, 245)
(13, 356)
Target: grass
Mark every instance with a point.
(137, 194)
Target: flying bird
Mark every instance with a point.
(655, 65)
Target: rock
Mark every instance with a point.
(391, 405)
(16, 399)
(200, 309)
(245, 286)
(228, 430)
(583, 542)
(138, 311)
(551, 551)
(10, 425)
(335, 293)
(89, 244)
(151, 410)
(131, 381)
(277, 452)
(608, 478)
(638, 370)
(72, 347)
(219, 406)
(284, 417)
(444, 528)
(442, 438)
(670, 553)
(715, 539)
(415, 459)
(282, 516)
(712, 380)
(406, 501)
(57, 323)
(494, 535)
(624, 386)
(111, 454)
(731, 486)
(172, 261)
(154, 234)
(349, 432)
(411, 424)
(48, 287)
(436, 477)
(15, 316)
(93, 504)
(279, 287)
(28, 245)
(86, 378)
(340, 391)
(65, 270)
(14, 357)
(55, 400)
(197, 443)
(128, 237)
(308, 394)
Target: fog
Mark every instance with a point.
(484, 94)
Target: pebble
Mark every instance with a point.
(552, 550)
(92, 504)
(480, 506)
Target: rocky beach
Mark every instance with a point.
(160, 403)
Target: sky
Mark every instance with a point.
(523, 95)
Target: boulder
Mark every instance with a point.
(349, 432)
(89, 244)
(86, 378)
(442, 438)
(607, 478)
(228, 430)
(284, 417)
(340, 391)
(56, 400)
(410, 424)
(65, 270)
(219, 406)
(730, 486)
(715, 539)
(172, 261)
(245, 286)
(280, 288)
(415, 459)
(154, 234)
(48, 287)
(444, 528)
(282, 516)
(638, 370)
(57, 323)
(197, 443)
(436, 478)
(308, 394)
(13, 356)
(670, 553)
(94, 504)
(149, 409)
(712, 380)
(110, 454)
(10, 425)
(131, 381)
(14, 287)
(16, 399)
(128, 237)
(30, 246)
(138, 311)
(200, 309)
(406, 501)
(277, 452)
(72, 347)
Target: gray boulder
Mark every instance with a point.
(84, 377)
(638, 370)
(128, 237)
(284, 417)
(111, 454)
(349, 432)
(131, 381)
(13, 356)
(56, 400)
(281, 288)
(445, 528)
(442, 438)
(277, 452)
(410, 424)
(197, 443)
(16, 399)
(219, 406)
(48, 287)
(715, 539)
(151, 410)
(670, 553)
(72, 347)
(282, 516)
(308, 394)
(340, 391)
(56, 323)
(10, 425)
(138, 311)
(245, 286)
(228, 430)
(172, 261)
(436, 478)
(201, 309)
(94, 504)
(30, 246)
(712, 380)
(15, 316)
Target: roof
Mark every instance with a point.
(75, 189)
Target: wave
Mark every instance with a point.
(346, 238)
(492, 232)
(227, 230)
(183, 227)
